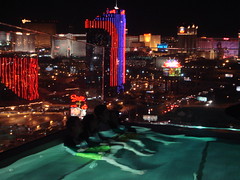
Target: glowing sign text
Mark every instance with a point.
(76, 98)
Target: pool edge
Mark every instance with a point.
(12, 155)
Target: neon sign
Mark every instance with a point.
(172, 68)
(80, 107)
(162, 46)
(80, 101)
(76, 98)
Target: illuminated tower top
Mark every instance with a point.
(190, 30)
(116, 7)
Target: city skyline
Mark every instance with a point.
(189, 84)
(215, 19)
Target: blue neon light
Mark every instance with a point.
(162, 46)
(119, 20)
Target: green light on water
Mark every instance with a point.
(90, 155)
(98, 149)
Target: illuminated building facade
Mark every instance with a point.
(20, 75)
(5, 41)
(239, 45)
(150, 40)
(68, 45)
(131, 42)
(23, 42)
(17, 41)
(42, 40)
(218, 48)
(109, 31)
(187, 38)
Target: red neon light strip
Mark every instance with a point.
(20, 75)
(110, 28)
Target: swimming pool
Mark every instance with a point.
(170, 157)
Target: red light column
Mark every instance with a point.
(20, 75)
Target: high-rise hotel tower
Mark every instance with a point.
(109, 31)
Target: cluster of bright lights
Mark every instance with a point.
(79, 108)
(172, 63)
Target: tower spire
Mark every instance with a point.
(116, 7)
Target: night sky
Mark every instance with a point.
(214, 18)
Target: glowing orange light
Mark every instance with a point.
(181, 29)
(147, 37)
(84, 106)
(112, 11)
(123, 12)
(73, 105)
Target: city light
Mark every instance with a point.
(181, 30)
(25, 21)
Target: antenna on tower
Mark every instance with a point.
(116, 7)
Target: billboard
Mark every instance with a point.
(78, 106)
(172, 67)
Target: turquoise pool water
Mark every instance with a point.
(169, 157)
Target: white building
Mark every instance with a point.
(23, 42)
(69, 45)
